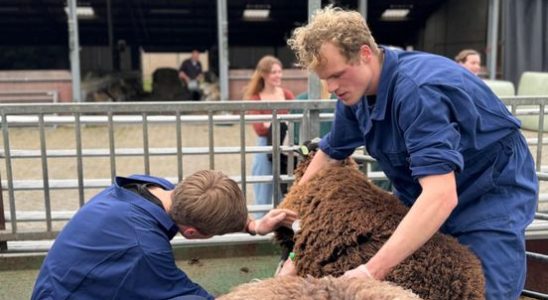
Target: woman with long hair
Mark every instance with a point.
(265, 85)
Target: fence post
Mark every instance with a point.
(3, 244)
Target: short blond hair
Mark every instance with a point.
(347, 30)
(209, 201)
(463, 55)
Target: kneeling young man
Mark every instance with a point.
(117, 245)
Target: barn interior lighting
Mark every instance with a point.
(83, 12)
(256, 12)
(395, 14)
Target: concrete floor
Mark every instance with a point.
(216, 275)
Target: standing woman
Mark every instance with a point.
(470, 59)
(265, 84)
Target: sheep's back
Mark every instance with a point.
(344, 222)
(289, 287)
(340, 222)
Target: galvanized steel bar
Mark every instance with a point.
(145, 144)
(179, 145)
(537, 256)
(275, 158)
(314, 123)
(362, 8)
(222, 43)
(539, 138)
(243, 172)
(314, 85)
(45, 174)
(541, 216)
(79, 161)
(291, 138)
(493, 38)
(79, 111)
(161, 107)
(74, 49)
(533, 294)
(211, 140)
(9, 173)
(3, 244)
(112, 148)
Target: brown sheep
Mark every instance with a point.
(345, 220)
(291, 287)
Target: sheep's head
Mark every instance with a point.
(307, 152)
(296, 196)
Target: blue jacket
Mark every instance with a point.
(431, 116)
(117, 246)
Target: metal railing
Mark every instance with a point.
(176, 116)
(44, 117)
(29, 96)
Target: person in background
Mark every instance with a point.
(470, 59)
(117, 246)
(452, 150)
(265, 85)
(191, 73)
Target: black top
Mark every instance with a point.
(142, 189)
(192, 69)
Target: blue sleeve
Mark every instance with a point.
(345, 135)
(157, 277)
(432, 135)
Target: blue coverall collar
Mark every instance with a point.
(389, 65)
(158, 213)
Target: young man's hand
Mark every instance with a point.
(359, 272)
(288, 269)
(272, 220)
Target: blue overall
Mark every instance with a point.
(117, 246)
(431, 116)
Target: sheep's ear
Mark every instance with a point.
(302, 151)
(309, 147)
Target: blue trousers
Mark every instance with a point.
(507, 208)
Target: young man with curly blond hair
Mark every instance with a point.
(117, 246)
(452, 150)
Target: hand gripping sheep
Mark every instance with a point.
(345, 220)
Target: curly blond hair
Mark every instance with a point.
(347, 30)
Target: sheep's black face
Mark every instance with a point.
(285, 238)
(303, 165)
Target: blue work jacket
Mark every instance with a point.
(117, 246)
(431, 116)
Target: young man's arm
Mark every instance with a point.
(320, 160)
(432, 208)
(272, 220)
